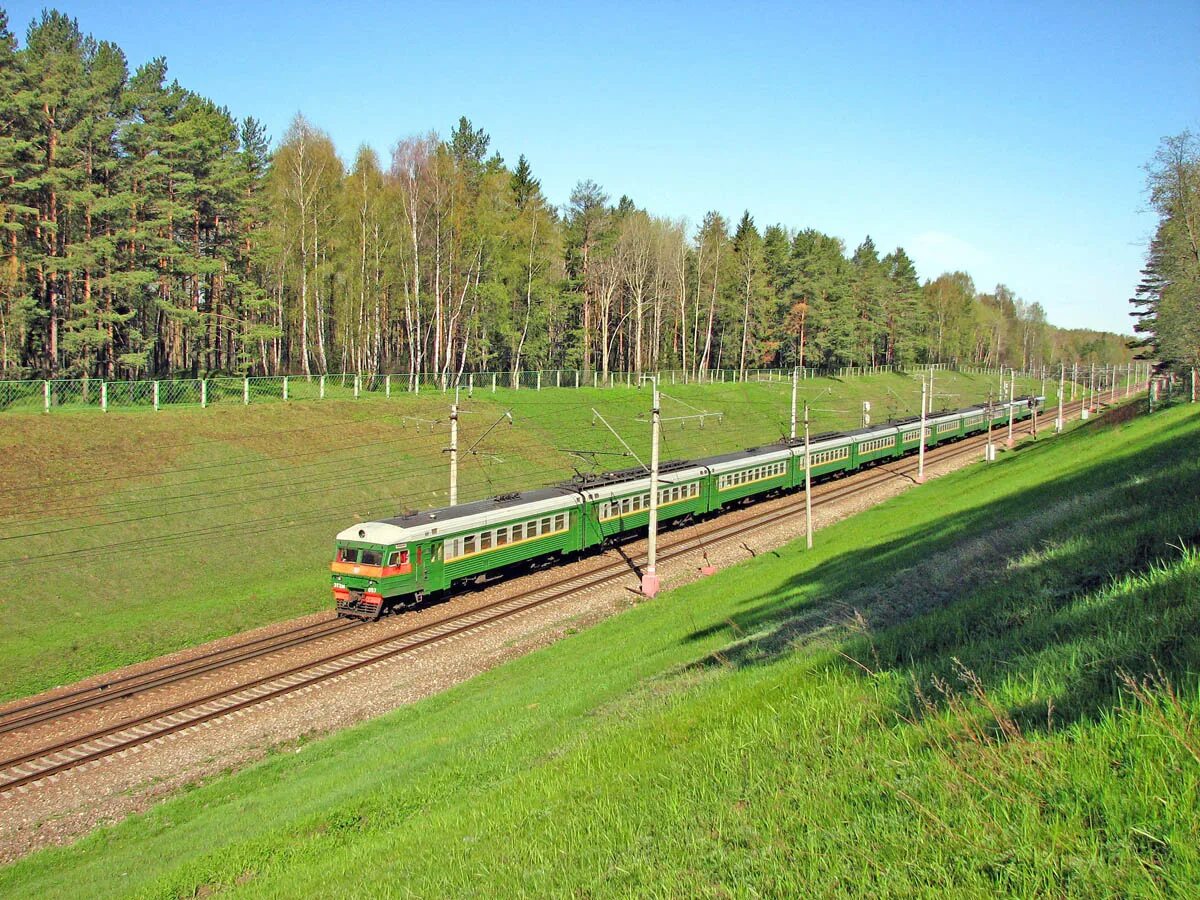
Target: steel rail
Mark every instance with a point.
(97, 695)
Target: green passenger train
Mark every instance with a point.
(393, 562)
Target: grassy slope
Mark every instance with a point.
(752, 734)
(224, 517)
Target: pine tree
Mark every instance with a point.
(18, 215)
(903, 310)
(748, 250)
(524, 186)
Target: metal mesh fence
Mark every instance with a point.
(91, 393)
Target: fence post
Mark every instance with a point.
(539, 379)
(576, 378)
(285, 378)
(156, 396)
(245, 391)
(203, 394)
(558, 377)
(493, 382)
(595, 378)
(45, 396)
(355, 385)
(387, 386)
(470, 383)
(321, 395)
(104, 396)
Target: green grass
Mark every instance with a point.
(989, 684)
(127, 535)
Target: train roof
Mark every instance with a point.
(612, 484)
(450, 519)
(749, 454)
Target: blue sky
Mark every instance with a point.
(1004, 140)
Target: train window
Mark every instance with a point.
(547, 526)
(348, 554)
(394, 559)
(485, 541)
(518, 532)
(371, 558)
(501, 537)
(560, 521)
(531, 529)
(469, 544)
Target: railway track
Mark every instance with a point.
(48, 761)
(104, 693)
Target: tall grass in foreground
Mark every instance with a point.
(988, 685)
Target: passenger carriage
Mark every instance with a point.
(829, 454)
(619, 502)
(872, 445)
(759, 470)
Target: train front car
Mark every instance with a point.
(372, 565)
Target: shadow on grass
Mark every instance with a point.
(1019, 589)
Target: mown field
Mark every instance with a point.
(127, 535)
(987, 685)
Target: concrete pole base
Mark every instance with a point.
(650, 584)
(1009, 442)
(919, 479)
(708, 570)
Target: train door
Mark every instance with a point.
(430, 567)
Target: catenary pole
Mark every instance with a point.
(990, 453)
(1012, 390)
(1062, 376)
(650, 581)
(454, 451)
(795, 384)
(921, 436)
(808, 526)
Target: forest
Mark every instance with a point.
(148, 232)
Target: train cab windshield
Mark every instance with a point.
(362, 556)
